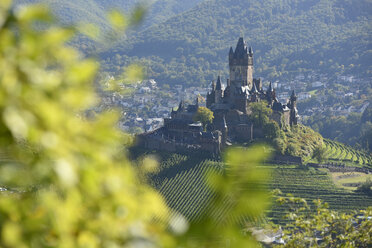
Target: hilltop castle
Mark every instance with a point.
(231, 110)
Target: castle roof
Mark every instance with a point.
(241, 48)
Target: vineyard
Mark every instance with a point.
(181, 180)
(336, 151)
(313, 184)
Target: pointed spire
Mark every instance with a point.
(231, 51)
(219, 85)
(240, 47)
(293, 96)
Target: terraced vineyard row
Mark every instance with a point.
(185, 190)
(344, 153)
(313, 185)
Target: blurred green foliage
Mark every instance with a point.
(70, 181)
(87, 194)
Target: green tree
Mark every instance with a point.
(204, 115)
(260, 113)
(271, 130)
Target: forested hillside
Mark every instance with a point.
(288, 36)
(187, 41)
(354, 129)
(77, 12)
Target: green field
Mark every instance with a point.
(180, 180)
(350, 180)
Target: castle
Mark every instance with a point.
(231, 110)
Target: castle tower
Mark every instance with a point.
(241, 65)
(270, 94)
(293, 100)
(293, 116)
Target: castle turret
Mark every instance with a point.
(211, 99)
(293, 99)
(227, 92)
(293, 117)
(219, 84)
(219, 91)
(231, 53)
(270, 94)
(254, 92)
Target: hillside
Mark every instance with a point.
(180, 178)
(288, 37)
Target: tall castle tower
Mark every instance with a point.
(241, 65)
